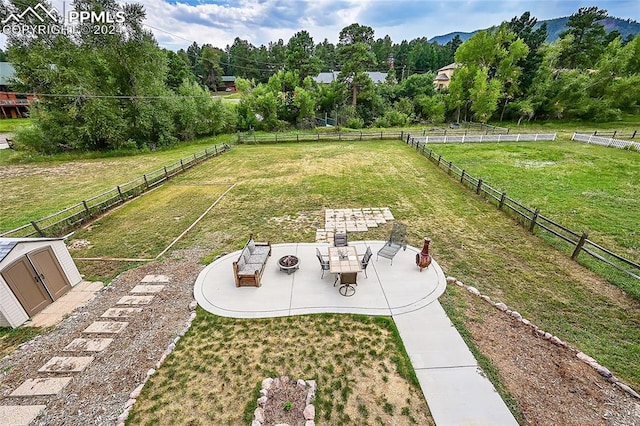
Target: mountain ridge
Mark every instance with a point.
(554, 28)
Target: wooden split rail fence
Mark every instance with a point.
(528, 217)
(57, 224)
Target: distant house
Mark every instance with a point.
(443, 76)
(228, 84)
(12, 105)
(329, 77)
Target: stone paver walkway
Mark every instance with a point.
(19, 415)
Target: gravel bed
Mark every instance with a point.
(97, 395)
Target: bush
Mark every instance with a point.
(354, 123)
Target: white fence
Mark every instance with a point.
(520, 137)
(599, 140)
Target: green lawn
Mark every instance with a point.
(282, 190)
(34, 186)
(584, 187)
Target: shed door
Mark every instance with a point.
(25, 285)
(50, 271)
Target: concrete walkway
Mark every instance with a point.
(455, 389)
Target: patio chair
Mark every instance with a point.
(324, 264)
(396, 241)
(364, 262)
(340, 240)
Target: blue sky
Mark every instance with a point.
(177, 23)
(260, 21)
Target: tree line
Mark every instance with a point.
(121, 90)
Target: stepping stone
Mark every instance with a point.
(141, 288)
(134, 300)
(87, 345)
(120, 312)
(155, 279)
(106, 327)
(65, 364)
(48, 386)
(18, 415)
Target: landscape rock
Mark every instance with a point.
(627, 389)
(256, 423)
(312, 384)
(585, 358)
(193, 305)
(136, 392)
(473, 290)
(604, 371)
(258, 414)
(548, 335)
(267, 383)
(451, 280)
(262, 401)
(129, 403)
(309, 423)
(516, 315)
(501, 306)
(309, 412)
(301, 383)
(556, 341)
(151, 372)
(485, 298)
(459, 283)
(525, 321)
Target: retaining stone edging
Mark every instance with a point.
(133, 396)
(603, 371)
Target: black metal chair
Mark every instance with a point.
(397, 240)
(324, 264)
(364, 262)
(340, 240)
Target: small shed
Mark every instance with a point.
(34, 273)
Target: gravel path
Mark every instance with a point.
(97, 395)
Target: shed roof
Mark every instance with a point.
(8, 244)
(228, 78)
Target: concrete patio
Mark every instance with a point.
(455, 388)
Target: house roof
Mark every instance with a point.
(8, 244)
(451, 66)
(442, 77)
(328, 77)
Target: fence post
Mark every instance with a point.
(216, 147)
(479, 186)
(380, 134)
(86, 207)
(360, 134)
(206, 152)
(502, 198)
(38, 230)
(634, 134)
(166, 176)
(576, 252)
(182, 164)
(439, 159)
(146, 183)
(534, 219)
(430, 154)
(120, 192)
(462, 176)
(449, 169)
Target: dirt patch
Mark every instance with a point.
(549, 383)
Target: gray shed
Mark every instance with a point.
(34, 272)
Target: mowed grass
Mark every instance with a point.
(280, 195)
(34, 186)
(587, 188)
(282, 191)
(213, 377)
(145, 226)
